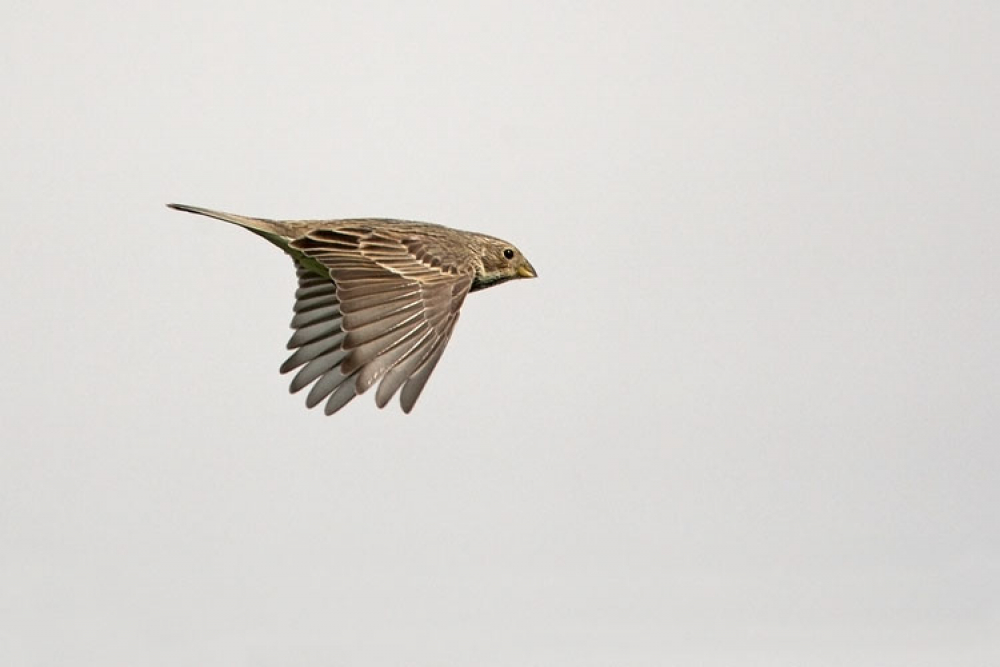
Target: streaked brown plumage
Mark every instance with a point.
(377, 299)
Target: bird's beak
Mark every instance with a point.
(526, 271)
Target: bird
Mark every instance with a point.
(377, 299)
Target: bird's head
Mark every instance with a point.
(500, 262)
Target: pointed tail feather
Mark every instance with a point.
(260, 225)
(272, 230)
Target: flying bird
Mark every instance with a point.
(377, 299)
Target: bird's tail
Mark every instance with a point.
(253, 224)
(269, 229)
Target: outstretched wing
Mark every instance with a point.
(383, 315)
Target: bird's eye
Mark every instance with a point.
(508, 253)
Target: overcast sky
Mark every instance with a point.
(747, 415)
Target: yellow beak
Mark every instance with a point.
(526, 271)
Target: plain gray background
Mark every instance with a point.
(748, 414)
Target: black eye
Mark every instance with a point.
(508, 253)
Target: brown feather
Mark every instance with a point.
(377, 300)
